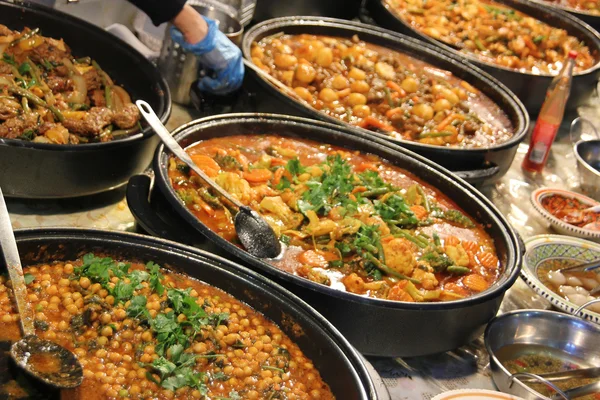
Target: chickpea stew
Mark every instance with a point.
(143, 332)
(351, 221)
(494, 33)
(383, 90)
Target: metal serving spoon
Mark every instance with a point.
(255, 234)
(45, 360)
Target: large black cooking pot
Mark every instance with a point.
(339, 364)
(373, 326)
(528, 87)
(37, 170)
(488, 163)
(267, 9)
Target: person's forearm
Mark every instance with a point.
(191, 24)
(160, 11)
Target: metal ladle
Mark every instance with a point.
(45, 360)
(255, 234)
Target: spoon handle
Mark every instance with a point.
(179, 152)
(581, 391)
(8, 245)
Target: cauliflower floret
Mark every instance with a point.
(399, 255)
(354, 283)
(427, 279)
(281, 212)
(236, 186)
(458, 255)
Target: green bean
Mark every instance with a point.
(24, 37)
(105, 82)
(375, 192)
(455, 269)
(35, 100)
(418, 241)
(389, 271)
(424, 197)
(435, 134)
(25, 105)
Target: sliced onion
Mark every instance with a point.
(119, 91)
(79, 94)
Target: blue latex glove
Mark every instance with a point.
(218, 53)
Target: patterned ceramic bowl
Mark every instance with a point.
(544, 247)
(560, 226)
(474, 394)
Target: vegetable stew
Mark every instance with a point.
(351, 221)
(588, 6)
(49, 96)
(143, 332)
(494, 33)
(383, 90)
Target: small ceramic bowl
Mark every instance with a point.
(474, 394)
(542, 247)
(560, 226)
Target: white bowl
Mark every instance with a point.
(560, 226)
(543, 247)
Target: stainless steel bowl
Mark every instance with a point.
(562, 332)
(587, 154)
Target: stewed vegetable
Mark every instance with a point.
(142, 332)
(382, 90)
(352, 221)
(588, 6)
(494, 33)
(49, 96)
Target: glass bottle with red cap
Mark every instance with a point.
(550, 117)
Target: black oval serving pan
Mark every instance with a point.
(490, 163)
(373, 326)
(529, 88)
(37, 170)
(591, 19)
(339, 364)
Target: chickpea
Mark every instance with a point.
(257, 51)
(356, 99)
(85, 282)
(304, 94)
(285, 61)
(305, 73)
(385, 70)
(6, 318)
(324, 57)
(424, 111)
(410, 85)
(106, 331)
(52, 290)
(328, 95)
(441, 105)
(357, 74)
(360, 87)
(340, 82)
(102, 341)
(68, 269)
(120, 314)
(147, 336)
(306, 51)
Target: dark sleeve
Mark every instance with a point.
(159, 11)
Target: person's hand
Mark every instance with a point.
(215, 52)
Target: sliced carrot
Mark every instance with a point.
(374, 122)
(470, 246)
(396, 88)
(258, 175)
(363, 166)
(243, 160)
(488, 259)
(469, 87)
(206, 164)
(451, 241)
(475, 282)
(206, 207)
(359, 189)
(277, 176)
(399, 294)
(278, 161)
(448, 120)
(419, 211)
(472, 259)
(455, 288)
(415, 99)
(316, 258)
(529, 43)
(393, 111)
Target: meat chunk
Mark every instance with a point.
(9, 108)
(470, 128)
(59, 84)
(50, 50)
(128, 117)
(14, 127)
(97, 98)
(91, 123)
(92, 80)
